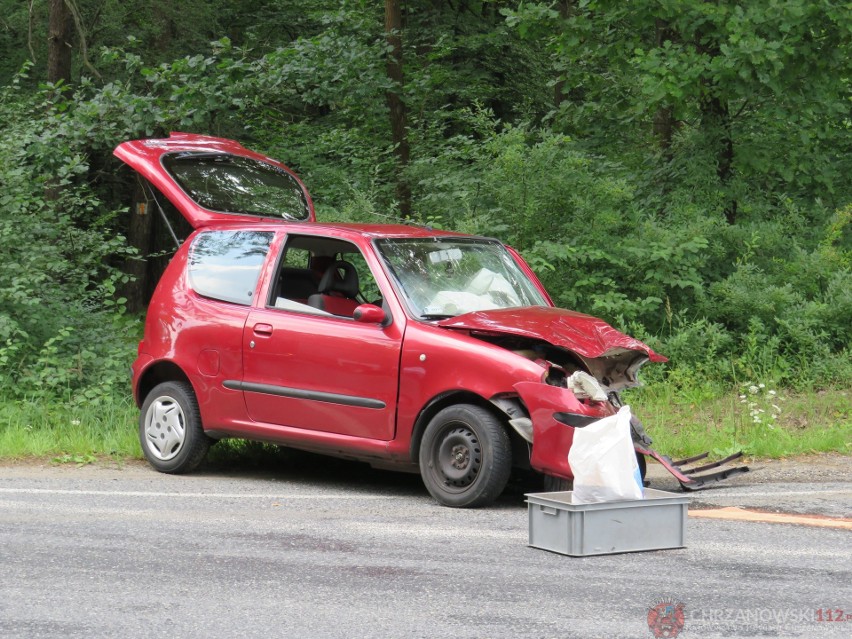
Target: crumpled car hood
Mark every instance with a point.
(585, 335)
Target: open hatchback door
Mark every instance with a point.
(213, 180)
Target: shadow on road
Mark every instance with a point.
(265, 462)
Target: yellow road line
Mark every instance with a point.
(741, 514)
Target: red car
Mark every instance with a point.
(404, 347)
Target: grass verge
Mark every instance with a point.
(69, 434)
(757, 420)
(761, 422)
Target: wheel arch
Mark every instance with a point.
(450, 398)
(157, 374)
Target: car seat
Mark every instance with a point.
(337, 290)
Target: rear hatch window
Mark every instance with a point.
(232, 184)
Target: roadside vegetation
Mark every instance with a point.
(678, 169)
(687, 423)
(681, 424)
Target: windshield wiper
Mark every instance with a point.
(437, 316)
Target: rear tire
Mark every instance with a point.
(465, 457)
(170, 429)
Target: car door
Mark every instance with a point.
(307, 368)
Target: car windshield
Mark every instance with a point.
(445, 277)
(233, 184)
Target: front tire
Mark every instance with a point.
(170, 429)
(465, 457)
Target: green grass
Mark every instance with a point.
(684, 423)
(75, 434)
(681, 422)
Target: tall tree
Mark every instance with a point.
(396, 105)
(59, 47)
(742, 79)
(564, 7)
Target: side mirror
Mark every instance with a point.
(369, 314)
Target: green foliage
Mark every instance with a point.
(307, 107)
(728, 420)
(538, 127)
(59, 315)
(163, 30)
(770, 76)
(77, 460)
(766, 299)
(74, 434)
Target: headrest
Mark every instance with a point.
(340, 277)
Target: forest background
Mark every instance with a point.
(680, 168)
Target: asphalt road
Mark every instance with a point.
(320, 548)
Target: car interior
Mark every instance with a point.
(321, 276)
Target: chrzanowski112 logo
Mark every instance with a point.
(666, 619)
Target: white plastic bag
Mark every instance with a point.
(603, 461)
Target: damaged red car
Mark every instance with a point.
(404, 347)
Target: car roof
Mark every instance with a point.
(343, 230)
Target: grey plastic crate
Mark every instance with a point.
(578, 530)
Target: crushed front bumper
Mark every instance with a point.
(554, 414)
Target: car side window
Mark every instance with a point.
(225, 265)
(296, 258)
(369, 288)
(323, 276)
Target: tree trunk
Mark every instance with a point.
(393, 33)
(716, 123)
(139, 236)
(664, 129)
(565, 9)
(716, 120)
(60, 30)
(664, 116)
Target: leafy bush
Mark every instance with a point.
(62, 331)
(767, 299)
(621, 232)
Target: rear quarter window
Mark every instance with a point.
(225, 265)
